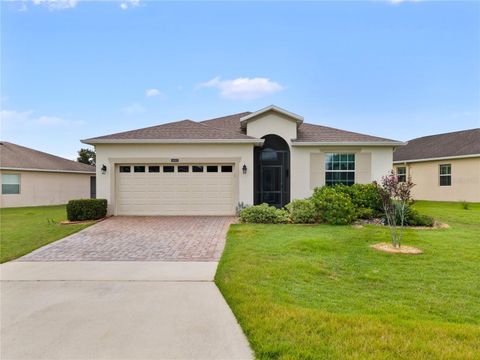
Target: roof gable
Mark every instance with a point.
(14, 156)
(272, 108)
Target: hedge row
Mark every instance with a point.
(86, 209)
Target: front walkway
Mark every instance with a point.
(146, 238)
(122, 309)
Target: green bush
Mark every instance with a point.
(364, 213)
(302, 212)
(86, 209)
(412, 217)
(417, 219)
(263, 214)
(363, 196)
(332, 206)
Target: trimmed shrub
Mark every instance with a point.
(417, 219)
(86, 209)
(332, 206)
(263, 214)
(364, 213)
(302, 212)
(412, 217)
(363, 196)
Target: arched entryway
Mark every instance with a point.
(272, 172)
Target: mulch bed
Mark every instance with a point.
(410, 250)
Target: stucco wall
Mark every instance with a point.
(112, 154)
(465, 180)
(301, 182)
(47, 188)
(272, 123)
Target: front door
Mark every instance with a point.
(272, 172)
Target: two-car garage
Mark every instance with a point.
(175, 189)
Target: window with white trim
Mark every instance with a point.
(402, 173)
(445, 174)
(10, 184)
(339, 169)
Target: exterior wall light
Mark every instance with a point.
(104, 169)
(244, 169)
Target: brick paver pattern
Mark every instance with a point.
(152, 238)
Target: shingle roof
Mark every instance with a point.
(465, 142)
(20, 157)
(229, 127)
(319, 133)
(306, 132)
(179, 130)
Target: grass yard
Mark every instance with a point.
(25, 229)
(320, 291)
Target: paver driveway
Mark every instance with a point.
(175, 238)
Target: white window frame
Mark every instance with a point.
(440, 175)
(327, 155)
(404, 174)
(19, 183)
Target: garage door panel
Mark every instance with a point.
(175, 193)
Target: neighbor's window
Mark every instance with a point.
(339, 169)
(445, 175)
(402, 173)
(10, 184)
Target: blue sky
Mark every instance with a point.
(76, 69)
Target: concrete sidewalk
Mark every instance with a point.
(116, 310)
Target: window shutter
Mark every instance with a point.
(317, 170)
(363, 168)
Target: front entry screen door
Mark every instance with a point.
(271, 185)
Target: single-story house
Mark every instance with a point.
(34, 178)
(444, 167)
(208, 167)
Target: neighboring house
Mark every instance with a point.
(34, 178)
(444, 167)
(208, 167)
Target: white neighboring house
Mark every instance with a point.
(33, 178)
(208, 167)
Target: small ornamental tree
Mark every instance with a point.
(395, 196)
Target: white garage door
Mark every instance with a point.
(180, 189)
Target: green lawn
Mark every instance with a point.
(25, 229)
(320, 292)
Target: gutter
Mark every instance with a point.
(437, 158)
(48, 170)
(349, 143)
(173, 141)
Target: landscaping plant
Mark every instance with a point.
(263, 214)
(86, 209)
(332, 206)
(395, 196)
(302, 211)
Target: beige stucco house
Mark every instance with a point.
(444, 167)
(208, 167)
(34, 178)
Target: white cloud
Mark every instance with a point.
(129, 4)
(152, 92)
(134, 108)
(27, 118)
(243, 88)
(56, 4)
